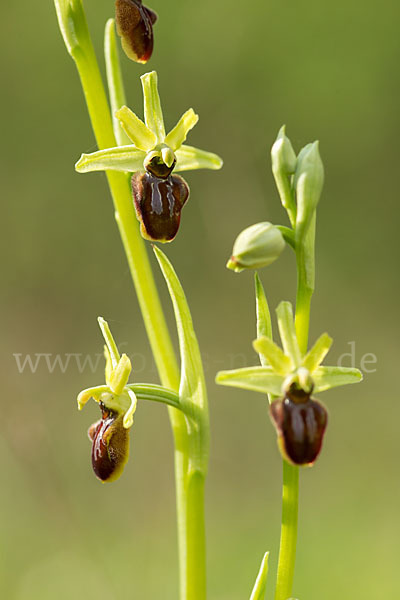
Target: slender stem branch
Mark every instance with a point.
(188, 508)
(305, 256)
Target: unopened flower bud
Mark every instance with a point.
(300, 423)
(255, 247)
(158, 204)
(283, 159)
(282, 154)
(110, 445)
(135, 27)
(308, 182)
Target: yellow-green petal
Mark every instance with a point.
(121, 158)
(135, 129)
(178, 134)
(189, 159)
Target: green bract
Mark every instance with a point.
(284, 367)
(149, 140)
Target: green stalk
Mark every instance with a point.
(189, 499)
(305, 257)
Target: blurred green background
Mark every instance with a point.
(329, 71)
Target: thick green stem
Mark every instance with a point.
(194, 576)
(190, 499)
(305, 256)
(287, 552)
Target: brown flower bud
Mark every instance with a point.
(135, 26)
(110, 447)
(158, 204)
(300, 422)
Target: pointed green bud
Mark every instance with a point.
(255, 247)
(308, 182)
(283, 167)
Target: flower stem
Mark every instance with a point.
(190, 498)
(305, 257)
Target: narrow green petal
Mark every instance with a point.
(114, 79)
(287, 332)
(260, 586)
(280, 363)
(189, 158)
(178, 134)
(93, 392)
(257, 379)
(120, 375)
(122, 158)
(152, 106)
(316, 355)
(192, 389)
(128, 416)
(326, 378)
(135, 129)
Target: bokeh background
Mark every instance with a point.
(330, 72)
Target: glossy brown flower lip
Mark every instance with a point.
(135, 27)
(158, 204)
(300, 422)
(110, 445)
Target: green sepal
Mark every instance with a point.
(192, 389)
(139, 134)
(287, 332)
(316, 355)
(256, 379)
(110, 342)
(153, 115)
(115, 82)
(189, 158)
(281, 364)
(326, 378)
(260, 586)
(178, 134)
(121, 158)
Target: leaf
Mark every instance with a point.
(72, 23)
(121, 158)
(316, 355)
(256, 379)
(192, 389)
(178, 134)
(114, 79)
(260, 586)
(288, 333)
(152, 106)
(280, 363)
(188, 158)
(326, 378)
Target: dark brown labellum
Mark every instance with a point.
(158, 204)
(110, 447)
(135, 26)
(300, 422)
